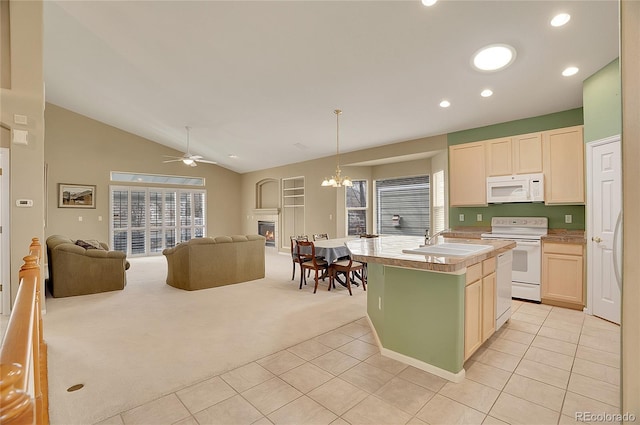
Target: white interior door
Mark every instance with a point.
(604, 195)
(4, 233)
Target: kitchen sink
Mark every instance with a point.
(449, 249)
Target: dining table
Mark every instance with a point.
(332, 250)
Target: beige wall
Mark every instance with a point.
(80, 150)
(25, 97)
(630, 66)
(325, 207)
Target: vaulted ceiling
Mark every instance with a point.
(260, 79)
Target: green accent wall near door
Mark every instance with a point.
(511, 128)
(555, 214)
(602, 103)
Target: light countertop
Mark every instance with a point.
(387, 250)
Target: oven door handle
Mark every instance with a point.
(528, 243)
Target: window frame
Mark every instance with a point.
(364, 209)
(196, 225)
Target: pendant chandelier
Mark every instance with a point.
(337, 180)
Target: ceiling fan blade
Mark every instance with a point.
(172, 156)
(193, 164)
(172, 160)
(194, 157)
(206, 161)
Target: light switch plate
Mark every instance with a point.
(478, 217)
(568, 218)
(461, 217)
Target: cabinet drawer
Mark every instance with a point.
(561, 248)
(474, 273)
(488, 266)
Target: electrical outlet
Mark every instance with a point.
(568, 218)
(478, 217)
(461, 217)
(79, 218)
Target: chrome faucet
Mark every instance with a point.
(431, 239)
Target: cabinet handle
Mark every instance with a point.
(596, 239)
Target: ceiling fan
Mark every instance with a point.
(188, 158)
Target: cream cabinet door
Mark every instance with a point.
(467, 177)
(499, 157)
(563, 274)
(488, 306)
(563, 154)
(527, 153)
(472, 318)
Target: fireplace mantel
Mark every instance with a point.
(266, 211)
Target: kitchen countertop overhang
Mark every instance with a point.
(387, 250)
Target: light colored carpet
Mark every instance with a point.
(132, 346)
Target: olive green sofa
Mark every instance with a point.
(75, 270)
(215, 261)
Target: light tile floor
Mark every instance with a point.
(543, 366)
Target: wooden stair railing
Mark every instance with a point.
(23, 355)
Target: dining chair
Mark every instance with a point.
(349, 268)
(310, 261)
(294, 252)
(320, 237)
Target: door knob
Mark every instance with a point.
(596, 239)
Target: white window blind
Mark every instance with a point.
(146, 220)
(407, 198)
(438, 202)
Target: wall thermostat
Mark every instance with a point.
(24, 203)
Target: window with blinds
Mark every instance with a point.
(356, 204)
(438, 202)
(146, 220)
(403, 206)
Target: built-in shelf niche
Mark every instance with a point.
(292, 209)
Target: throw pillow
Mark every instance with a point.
(89, 244)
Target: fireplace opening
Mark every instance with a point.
(268, 230)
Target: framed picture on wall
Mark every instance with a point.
(76, 195)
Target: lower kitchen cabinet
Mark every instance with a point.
(479, 305)
(563, 274)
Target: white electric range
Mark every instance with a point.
(527, 232)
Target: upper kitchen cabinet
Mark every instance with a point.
(563, 163)
(514, 155)
(467, 175)
(499, 157)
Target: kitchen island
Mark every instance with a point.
(416, 302)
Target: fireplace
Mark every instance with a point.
(268, 230)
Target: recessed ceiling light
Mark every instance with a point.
(429, 2)
(493, 57)
(445, 104)
(560, 19)
(233, 156)
(568, 72)
(486, 93)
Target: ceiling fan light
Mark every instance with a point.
(187, 161)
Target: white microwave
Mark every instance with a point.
(515, 188)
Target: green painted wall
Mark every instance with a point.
(528, 125)
(602, 103)
(422, 314)
(555, 214)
